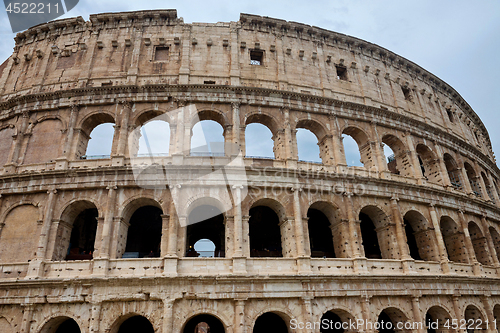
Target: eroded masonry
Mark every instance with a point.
(109, 243)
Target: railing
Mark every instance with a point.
(206, 154)
(260, 157)
(152, 155)
(94, 157)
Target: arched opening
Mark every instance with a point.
(420, 236)
(6, 139)
(496, 313)
(44, 144)
(352, 155)
(136, 324)
(378, 235)
(474, 315)
(82, 240)
(155, 139)
(307, 146)
(320, 234)
(207, 139)
(369, 237)
(204, 323)
(265, 233)
(205, 222)
(428, 163)
(489, 188)
(495, 236)
(479, 244)
(270, 322)
(144, 233)
(100, 142)
(397, 159)
(258, 141)
(453, 240)
(453, 171)
(473, 179)
(334, 321)
(435, 320)
(61, 325)
(357, 148)
(389, 319)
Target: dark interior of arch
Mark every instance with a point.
(270, 323)
(412, 242)
(136, 324)
(333, 323)
(204, 323)
(320, 234)
(429, 322)
(144, 232)
(265, 234)
(206, 222)
(369, 237)
(82, 239)
(68, 326)
(385, 322)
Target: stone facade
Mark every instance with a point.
(418, 239)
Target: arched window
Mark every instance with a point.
(474, 315)
(473, 179)
(334, 321)
(397, 159)
(420, 237)
(489, 188)
(351, 150)
(307, 146)
(436, 319)
(144, 233)
(361, 146)
(101, 141)
(207, 139)
(453, 171)
(496, 241)
(203, 323)
(389, 318)
(479, 244)
(155, 139)
(205, 222)
(428, 164)
(270, 322)
(375, 226)
(369, 237)
(258, 141)
(136, 324)
(61, 325)
(265, 233)
(453, 240)
(81, 244)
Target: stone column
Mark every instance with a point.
(168, 315)
(68, 153)
(246, 235)
(456, 308)
(95, 317)
(489, 241)
(47, 220)
(239, 316)
(327, 154)
(172, 228)
(235, 129)
(442, 165)
(120, 151)
(27, 317)
(108, 223)
(238, 232)
(165, 221)
(467, 186)
(471, 254)
(184, 70)
(443, 254)
(417, 315)
(486, 300)
(299, 229)
(417, 171)
(307, 316)
(354, 228)
(366, 308)
(19, 139)
(117, 247)
(400, 233)
(290, 142)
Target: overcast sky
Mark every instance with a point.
(458, 41)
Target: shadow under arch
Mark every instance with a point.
(479, 244)
(62, 324)
(429, 165)
(454, 240)
(337, 321)
(375, 227)
(132, 323)
(454, 173)
(401, 162)
(273, 321)
(436, 318)
(420, 236)
(204, 322)
(473, 314)
(325, 238)
(265, 228)
(390, 319)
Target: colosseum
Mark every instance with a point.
(110, 242)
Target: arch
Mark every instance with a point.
(496, 312)
(307, 146)
(377, 233)
(391, 315)
(399, 163)
(322, 217)
(315, 127)
(19, 234)
(202, 323)
(473, 179)
(454, 173)
(420, 236)
(88, 125)
(454, 240)
(429, 165)
(275, 322)
(210, 114)
(62, 324)
(335, 318)
(265, 228)
(48, 117)
(6, 134)
(205, 222)
(132, 204)
(100, 141)
(151, 134)
(206, 138)
(145, 116)
(143, 228)
(44, 144)
(93, 119)
(495, 236)
(479, 244)
(131, 323)
(435, 319)
(263, 119)
(76, 233)
(489, 188)
(473, 314)
(258, 142)
(364, 146)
